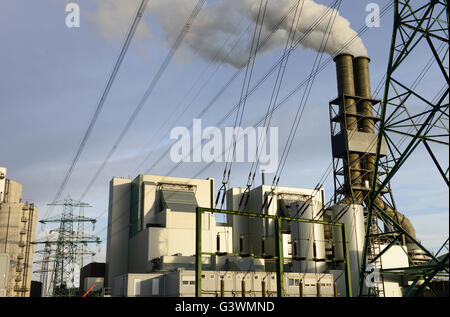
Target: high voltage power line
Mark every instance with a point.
(112, 77)
(320, 68)
(149, 91)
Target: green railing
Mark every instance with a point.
(278, 246)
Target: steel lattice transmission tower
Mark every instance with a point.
(414, 115)
(43, 263)
(68, 249)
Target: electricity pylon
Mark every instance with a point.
(69, 247)
(414, 114)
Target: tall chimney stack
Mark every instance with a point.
(356, 142)
(349, 122)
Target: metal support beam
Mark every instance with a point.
(198, 253)
(348, 278)
(424, 25)
(279, 260)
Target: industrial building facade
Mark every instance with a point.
(17, 230)
(151, 242)
(152, 223)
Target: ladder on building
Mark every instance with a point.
(374, 248)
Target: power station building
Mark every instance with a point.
(151, 242)
(17, 230)
(151, 247)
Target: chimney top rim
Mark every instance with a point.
(342, 55)
(363, 57)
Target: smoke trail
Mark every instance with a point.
(221, 20)
(340, 34)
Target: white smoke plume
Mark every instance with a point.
(220, 23)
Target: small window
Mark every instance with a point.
(212, 275)
(185, 282)
(291, 282)
(297, 282)
(256, 277)
(191, 282)
(203, 275)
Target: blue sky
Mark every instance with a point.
(52, 78)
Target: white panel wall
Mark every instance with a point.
(395, 257)
(353, 218)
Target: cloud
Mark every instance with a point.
(113, 18)
(218, 26)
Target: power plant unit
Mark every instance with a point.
(156, 238)
(17, 229)
(154, 242)
(281, 201)
(164, 238)
(152, 222)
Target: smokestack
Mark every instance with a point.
(367, 124)
(346, 91)
(362, 89)
(355, 142)
(365, 108)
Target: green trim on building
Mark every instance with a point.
(136, 205)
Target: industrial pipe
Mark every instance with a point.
(346, 91)
(241, 244)
(218, 243)
(301, 288)
(263, 288)
(295, 248)
(263, 247)
(362, 89)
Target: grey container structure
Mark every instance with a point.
(181, 283)
(92, 274)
